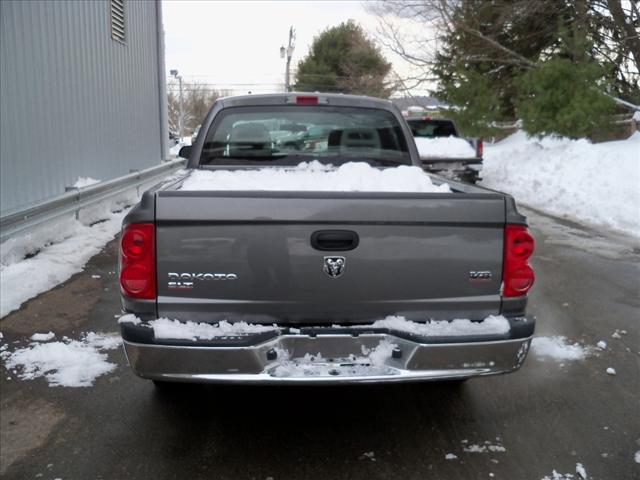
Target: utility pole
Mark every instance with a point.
(174, 73)
(289, 53)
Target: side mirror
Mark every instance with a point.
(185, 152)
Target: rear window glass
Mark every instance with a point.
(432, 128)
(288, 135)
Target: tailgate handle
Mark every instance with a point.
(334, 240)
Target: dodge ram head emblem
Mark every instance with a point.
(334, 266)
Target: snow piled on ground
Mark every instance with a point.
(315, 176)
(83, 182)
(459, 327)
(559, 348)
(593, 183)
(444, 147)
(24, 278)
(69, 363)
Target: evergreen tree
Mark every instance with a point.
(565, 98)
(343, 59)
(476, 75)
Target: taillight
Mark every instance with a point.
(479, 148)
(517, 275)
(138, 261)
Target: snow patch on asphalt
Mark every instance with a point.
(594, 183)
(69, 363)
(486, 447)
(444, 147)
(315, 176)
(559, 348)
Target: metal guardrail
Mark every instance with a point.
(73, 201)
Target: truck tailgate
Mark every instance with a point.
(253, 256)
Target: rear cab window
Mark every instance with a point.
(430, 128)
(289, 135)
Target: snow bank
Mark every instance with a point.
(558, 348)
(592, 183)
(85, 182)
(314, 176)
(22, 279)
(490, 325)
(70, 363)
(444, 147)
(165, 328)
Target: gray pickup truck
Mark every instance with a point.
(268, 286)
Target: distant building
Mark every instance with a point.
(82, 94)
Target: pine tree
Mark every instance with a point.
(343, 59)
(565, 98)
(477, 76)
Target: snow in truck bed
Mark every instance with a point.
(444, 147)
(314, 176)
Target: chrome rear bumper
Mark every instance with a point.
(330, 358)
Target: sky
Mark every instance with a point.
(236, 44)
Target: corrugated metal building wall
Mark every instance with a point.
(74, 102)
